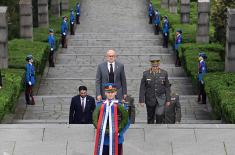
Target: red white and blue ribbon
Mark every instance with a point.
(108, 112)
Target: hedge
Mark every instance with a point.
(12, 87)
(220, 89)
(189, 56)
(20, 48)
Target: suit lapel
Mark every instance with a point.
(115, 70)
(106, 69)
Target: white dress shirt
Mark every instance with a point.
(109, 66)
(84, 101)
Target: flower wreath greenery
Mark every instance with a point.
(122, 118)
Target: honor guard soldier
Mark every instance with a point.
(178, 41)
(155, 91)
(64, 32)
(156, 22)
(173, 110)
(77, 13)
(72, 20)
(110, 119)
(29, 80)
(202, 69)
(150, 13)
(165, 31)
(51, 42)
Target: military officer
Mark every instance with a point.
(173, 110)
(155, 91)
(156, 22)
(150, 12)
(178, 41)
(51, 42)
(77, 13)
(165, 31)
(64, 32)
(72, 20)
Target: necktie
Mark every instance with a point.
(83, 105)
(111, 68)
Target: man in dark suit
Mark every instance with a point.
(155, 92)
(111, 71)
(81, 108)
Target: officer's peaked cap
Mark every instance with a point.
(29, 57)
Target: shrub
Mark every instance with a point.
(12, 86)
(220, 89)
(20, 48)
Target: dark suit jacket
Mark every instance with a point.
(173, 111)
(76, 115)
(102, 77)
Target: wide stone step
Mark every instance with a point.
(95, 59)
(56, 86)
(140, 139)
(114, 42)
(84, 71)
(148, 50)
(83, 36)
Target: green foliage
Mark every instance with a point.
(20, 48)
(189, 57)
(220, 89)
(219, 18)
(12, 86)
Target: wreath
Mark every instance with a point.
(122, 118)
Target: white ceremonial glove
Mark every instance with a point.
(77, 13)
(30, 83)
(71, 22)
(52, 49)
(64, 33)
(165, 34)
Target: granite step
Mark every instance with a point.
(95, 59)
(84, 71)
(114, 42)
(119, 50)
(56, 86)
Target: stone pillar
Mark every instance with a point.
(230, 42)
(185, 11)
(3, 37)
(55, 8)
(43, 13)
(203, 21)
(173, 5)
(26, 19)
(164, 4)
(65, 5)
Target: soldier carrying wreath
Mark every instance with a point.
(110, 118)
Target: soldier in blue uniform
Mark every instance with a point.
(72, 22)
(64, 32)
(202, 69)
(51, 42)
(29, 80)
(77, 13)
(156, 21)
(178, 41)
(150, 13)
(165, 31)
(108, 142)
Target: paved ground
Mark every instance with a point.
(39, 139)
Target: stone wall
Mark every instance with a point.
(43, 13)
(230, 42)
(26, 19)
(185, 11)
(55, 8)
(165, 4)
(3, 37)
(173, 6)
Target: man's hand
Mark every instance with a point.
(124, 96)
(30, 83)
(168, 104)
(52, 49)
(99, 98)
(64, 33)
(141, 104)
